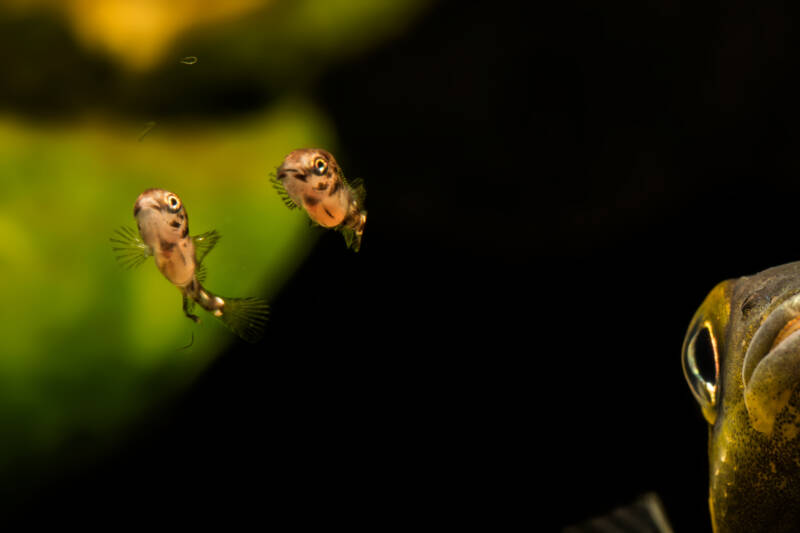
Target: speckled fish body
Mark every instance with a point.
(163, 232)
(741, 357)
(312, 179)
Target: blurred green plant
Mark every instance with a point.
(87, 345)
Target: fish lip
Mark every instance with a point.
(298, 174)
(761, 344)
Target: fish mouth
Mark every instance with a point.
(283, 173)
(145, 201)
(771, 368)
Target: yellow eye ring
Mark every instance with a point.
(173, 203)
(320, 166)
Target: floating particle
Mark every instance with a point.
(189, 60)
(147, 127)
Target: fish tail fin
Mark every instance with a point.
(246, 317)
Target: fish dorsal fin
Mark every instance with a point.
(204, 243)
(278, 186)
(129, 248)
(358, 189)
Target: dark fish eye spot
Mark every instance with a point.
(310, 201)
(335, 188)
(166, 245)
(175, 224)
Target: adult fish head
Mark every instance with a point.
(741, 358)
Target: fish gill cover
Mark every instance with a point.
(100, 101)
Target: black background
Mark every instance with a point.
(551, 194)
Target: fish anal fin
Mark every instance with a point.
(351, 238)
(188, 307)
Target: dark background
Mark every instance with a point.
(551, 194)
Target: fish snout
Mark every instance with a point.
(771, 369)
(147, 200)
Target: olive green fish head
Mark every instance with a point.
(164, 227)
(741, 357)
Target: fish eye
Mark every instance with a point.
(320, 166)
(173, 202)
(701, 366)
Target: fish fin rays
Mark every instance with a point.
(129, 248)
(204, 243)
(278, 186)
(351, 238)
(358, 190)
(201, 273)
(246, 317)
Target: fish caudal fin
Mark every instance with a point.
(129, 248)
(246, 317)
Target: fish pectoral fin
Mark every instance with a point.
(204, 243)
(246, 317)
(129, 248)
(278, 186)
